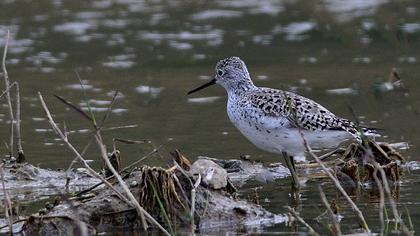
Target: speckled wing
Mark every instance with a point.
(299, 111)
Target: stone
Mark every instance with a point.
(211, 173)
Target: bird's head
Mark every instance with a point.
(231, 73)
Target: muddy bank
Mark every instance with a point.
(104, 212)
(26, 182)
(165, 193)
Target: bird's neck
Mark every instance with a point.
(240, 87)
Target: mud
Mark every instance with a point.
(26, 182)
(166, 193)
(102, 210)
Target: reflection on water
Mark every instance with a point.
(335, 52)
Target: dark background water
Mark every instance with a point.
(153, 52)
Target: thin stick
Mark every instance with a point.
(73, 149)
(156, 150)
(330, 212)
(20, 153)
(74, 161)
(381, 200)
(7, 89)
(7, 203)
(17, 221)
(98, 138)
(133, 200)
(181, 188)
(336, 182)
(193, 193)
(7, 84)
(294, 213)
(391, 199)
(111, 177)
(108, 112)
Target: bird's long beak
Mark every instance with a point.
(213, 81)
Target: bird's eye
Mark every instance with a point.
(220, 72)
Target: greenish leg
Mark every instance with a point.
(292, 168)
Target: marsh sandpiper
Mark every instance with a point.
(275, 120)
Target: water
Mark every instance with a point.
(335, 52)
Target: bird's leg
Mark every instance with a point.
(291, 166)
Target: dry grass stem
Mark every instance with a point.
(381, 199)
(333, 218)
(336, 182)
(193, 192)
(156, 150)
(98, 138)
(391, 199)
(7, 203)
(108, 112)
(295, 214)
(7, 89)
(74, 161)
(130, 195)
(20, 153)
(73, 149)
(7, 85)
(123, 170)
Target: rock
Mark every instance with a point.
(242, 171)
(211, 173)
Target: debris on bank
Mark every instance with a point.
(27, 183)
(241, 171)
(358, 163)
(165, 194)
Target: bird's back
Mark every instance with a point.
(272, 119)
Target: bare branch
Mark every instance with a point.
(391, 199)
(7, 85)
(7, 203)
(381, 200)
(336, 182)
(68, 103)
(295, 214)
(108, 112)
(193, 193)
(330, 212)
(20, 154)
(73, 149)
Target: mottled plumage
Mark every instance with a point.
(300, 111)
(273, 119)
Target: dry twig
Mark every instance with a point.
(123, 170)
(64, 137)
(94, 173)
(381, 199)
(336, 182)
(295, 214)
(20, 154)
(391, 199)
(330, 212)
(7, 85)
(7, 203)
(193, 192)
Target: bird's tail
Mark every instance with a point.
(359, 131)
(371, 131)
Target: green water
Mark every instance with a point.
(153, 52)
